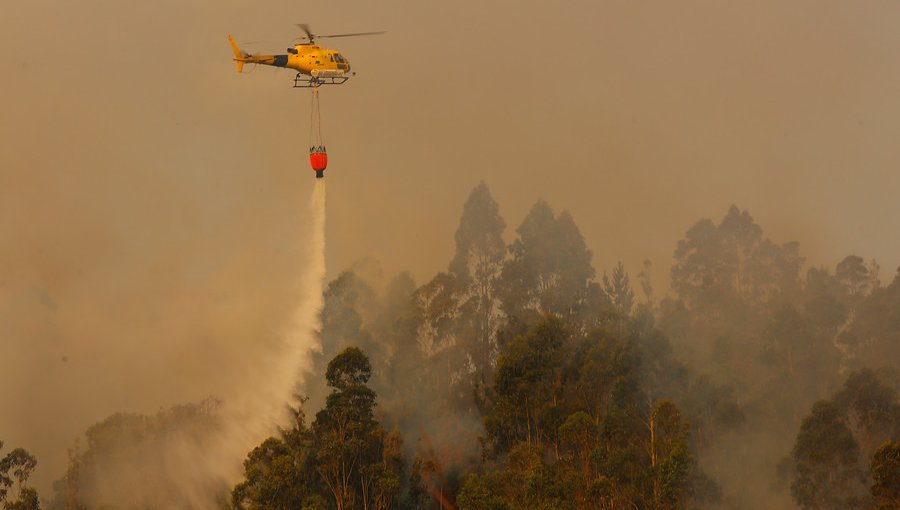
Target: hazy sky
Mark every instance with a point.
(152, 200)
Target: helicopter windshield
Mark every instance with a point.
(339, 58)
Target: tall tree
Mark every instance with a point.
(439, 302)
(727, 279)
(826, 459)
(346, 299)
(854, 276)
(459, 308)
(17, 466)
(718, 264)
(476, 266)
(550, 270)
(350, 456)
(618, 288)
(349, 308)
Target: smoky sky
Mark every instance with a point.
(152, 201)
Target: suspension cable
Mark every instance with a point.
(312, 119)
(315, 121)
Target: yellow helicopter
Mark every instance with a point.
(314, 64)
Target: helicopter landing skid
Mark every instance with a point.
(307, 82)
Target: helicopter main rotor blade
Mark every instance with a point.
(311, 37)
(353, 35)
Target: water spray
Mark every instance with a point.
(261, 411)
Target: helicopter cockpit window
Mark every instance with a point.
(331, 58)
(339, 58)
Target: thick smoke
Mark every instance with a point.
(192, 455)
(187, 456)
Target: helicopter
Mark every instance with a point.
(314, 64)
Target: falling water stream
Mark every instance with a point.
(257, 414)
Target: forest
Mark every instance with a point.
(524, 378)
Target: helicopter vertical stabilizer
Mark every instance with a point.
(238, 56)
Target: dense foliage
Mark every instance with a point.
(837, 441)
(15, 469)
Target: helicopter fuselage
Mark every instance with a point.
(306, 58)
